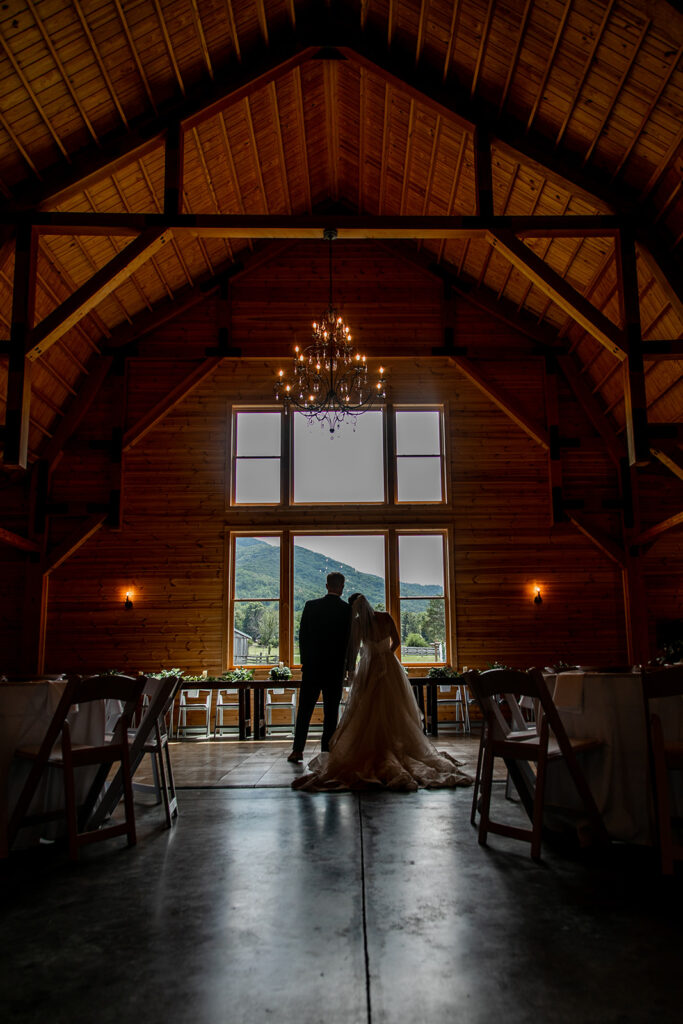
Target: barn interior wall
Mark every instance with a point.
(171, 548)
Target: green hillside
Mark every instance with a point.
(258, 576)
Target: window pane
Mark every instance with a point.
(258, 433)
(423, 630)
(257, 568)
(420, 564)
(256, 633)
(257, 481)
(359, 558)
(419, 479)
(418, 432)
(346, 466)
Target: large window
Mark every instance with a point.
(351, 465)
(422, 597)
(256, 460)
(344, 466)
(306, 502)
(256, 601)
(360, 557)
(368, 560)
(419, 455)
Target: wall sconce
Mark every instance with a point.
(128, 604)
(538, 599)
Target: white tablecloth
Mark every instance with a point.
(26, 710)
(609, 707)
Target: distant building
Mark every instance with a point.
(240, 646)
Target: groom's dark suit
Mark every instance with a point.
(323, 640)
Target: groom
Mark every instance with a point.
(323, 640)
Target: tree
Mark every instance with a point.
(251, 619)
(415, 640)
(411, 622)
(270, 627)
(434, 626)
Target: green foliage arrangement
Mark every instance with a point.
(238, 675)
(442, 672)
(280, 673)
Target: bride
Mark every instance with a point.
(379, 741)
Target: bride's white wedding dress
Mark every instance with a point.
(379, 741)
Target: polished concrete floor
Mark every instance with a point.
(264, 904)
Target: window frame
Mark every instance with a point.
(234, 412)
(393, 599)
(419, 407)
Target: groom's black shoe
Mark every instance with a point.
(296, 757)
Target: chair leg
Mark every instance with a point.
(486, 785)
(539, 794)
(665, 834)
(477, 777)
(173, 799)
(69, 794)
(128, 794)
(160, 773)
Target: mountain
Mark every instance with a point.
(258, 576)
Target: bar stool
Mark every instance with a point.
(459, 701)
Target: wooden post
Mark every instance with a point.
(173, 169)
(554, 453)
(635, 401)
(482, 170)
(19, 371)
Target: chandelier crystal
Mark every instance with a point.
(329, 379)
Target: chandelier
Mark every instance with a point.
(329, 379)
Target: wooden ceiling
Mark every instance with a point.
(526, 147)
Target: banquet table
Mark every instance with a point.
(252, 701)
(609, 707)
(26, 710)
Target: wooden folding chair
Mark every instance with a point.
(153, 731)
(517, 741)
(665, 755)
(58, 752)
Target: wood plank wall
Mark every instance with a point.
(171, 548)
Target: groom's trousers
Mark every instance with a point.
(308, 696)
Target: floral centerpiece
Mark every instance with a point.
(238, 675)
(280, 673)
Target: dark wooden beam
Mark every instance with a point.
(504, 402)
(560, 292)
(672, 460)
(233, 81)
(174, 151)
(348, 225)
(482, 172)
(73, 542)
(662, 349)
(602, 541)
(508, 313)
(552, 408)
(15, 541)
(17, 412)
(654, 531)
(98, 370)
(396, 64)
(101, 284)
(177, 394)
(592, 407)
(635, 400)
